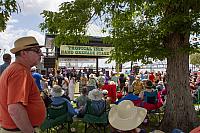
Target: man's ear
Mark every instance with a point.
(23, 53)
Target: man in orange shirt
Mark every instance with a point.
(22, 109)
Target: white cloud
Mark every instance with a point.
(35, 7)
(40, 37)
(8, 37)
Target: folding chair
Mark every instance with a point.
(153, 103)
(57, 115)
(198, 100)
(95, 121)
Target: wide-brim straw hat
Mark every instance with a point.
(24, 43)
(57, 91)
(125, 116)
(95, 94)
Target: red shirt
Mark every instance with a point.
(151, 77)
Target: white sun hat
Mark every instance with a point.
(34, 68)
(105, 92)
(57, 91)
(95, 94)
(125, 116)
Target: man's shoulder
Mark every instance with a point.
(15, 67)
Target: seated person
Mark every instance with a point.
(46, 97)
(81, 101)
(160, 86)
(56, 97)
(150, 97)
(97, 103)
(137, 85)
(125, 117)
(107, 99)
(134, 98)
(92, 82)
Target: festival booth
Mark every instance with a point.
(68, 54)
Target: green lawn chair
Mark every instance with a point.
(198, 100)
(94, 121)
(57, 116)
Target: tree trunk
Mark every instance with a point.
(179, 112)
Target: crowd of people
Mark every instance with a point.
(25, 93)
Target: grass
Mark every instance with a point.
(80, 126)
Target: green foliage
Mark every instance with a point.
(195, 59)
(139, 30)
(7, 7)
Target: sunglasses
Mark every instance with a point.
(36, 50)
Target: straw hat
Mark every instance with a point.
(125, 116)
(57, 91)
(95, 94)
(24, 43)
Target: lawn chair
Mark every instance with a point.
(153, 103)
(57, 116)
(94, 121)
(198, 101)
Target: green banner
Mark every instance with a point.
(85, 50)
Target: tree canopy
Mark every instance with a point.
(139, 30)
(7, 7)
(141, 25)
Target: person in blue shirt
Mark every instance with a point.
(57, 99)
(98, 104)
(38, 77)
(7, 60)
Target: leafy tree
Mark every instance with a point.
(195, 59)
(7, 7)
(140, 30)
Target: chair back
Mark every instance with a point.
(151, 97)
(55, 111)
(97, 108)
